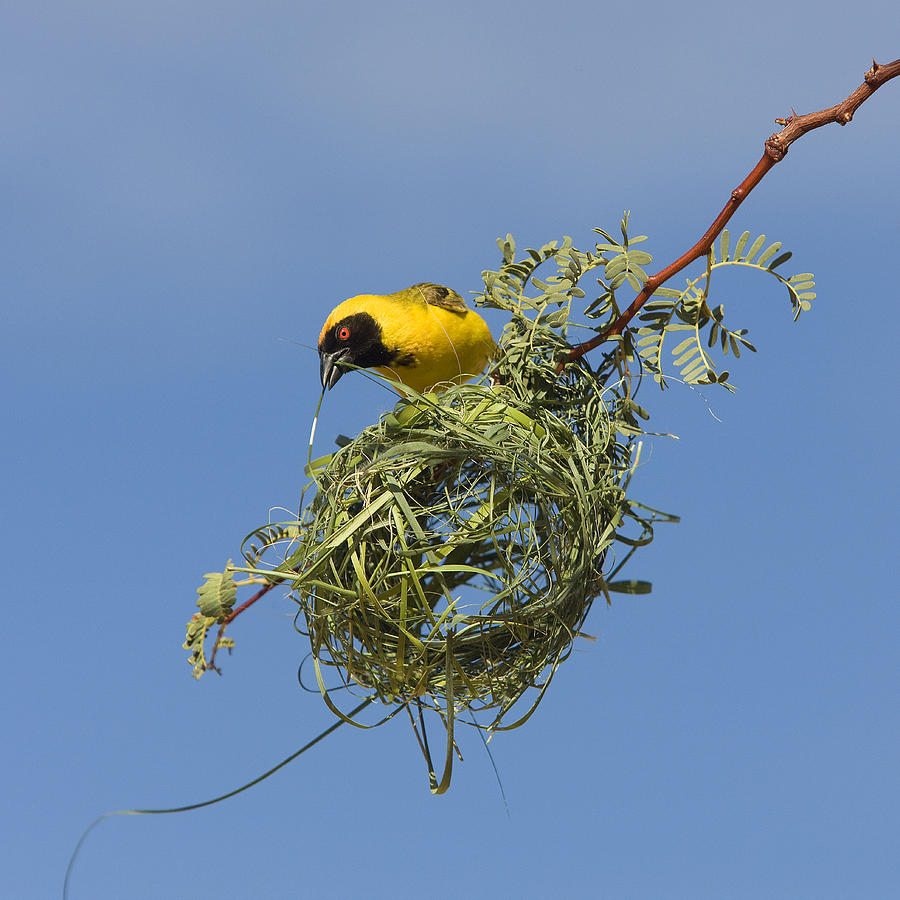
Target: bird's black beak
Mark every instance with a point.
(329, 368)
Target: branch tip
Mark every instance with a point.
(776, 147)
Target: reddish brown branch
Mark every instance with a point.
(232, 616)
(775, 149)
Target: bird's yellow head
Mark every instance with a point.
(421, 337)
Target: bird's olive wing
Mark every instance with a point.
(438, 295)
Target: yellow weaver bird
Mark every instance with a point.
(419, 337)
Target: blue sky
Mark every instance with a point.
(187, 192)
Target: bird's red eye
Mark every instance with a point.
(343, 333)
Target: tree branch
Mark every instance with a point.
(232, 616)
(776, 147)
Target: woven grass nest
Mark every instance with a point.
(452, 551)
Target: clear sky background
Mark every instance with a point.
(187, 190)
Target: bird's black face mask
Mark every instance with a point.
(355, 339)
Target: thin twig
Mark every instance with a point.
(775, 149)
(232, 616)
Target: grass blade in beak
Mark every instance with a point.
(329, 370)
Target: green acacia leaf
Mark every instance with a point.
(639, 257)
(600, 304)
(723, 244)
(682, 346)
(755, 247)
(741, 243)
(768, 253)
(694, 373)
(630, 586)
(691, 352)
(616, 265)
(216, 595)
(554, 319)
(779, 260)
(639, 276)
